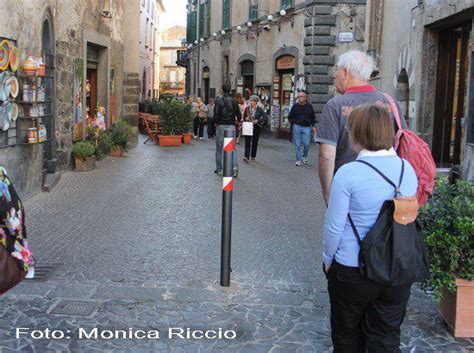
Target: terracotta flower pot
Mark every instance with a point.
(187, 137)
(457, 309)
(84, 165)
(116, 152)
(170, 141)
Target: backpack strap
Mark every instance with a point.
(397, 188)
(394, 109)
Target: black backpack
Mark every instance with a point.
(393, 252)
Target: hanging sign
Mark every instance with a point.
(286, 62)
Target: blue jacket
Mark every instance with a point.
(302, 115)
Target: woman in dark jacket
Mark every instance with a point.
(257, 116)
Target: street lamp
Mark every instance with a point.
(249, 24)
(282, 13)
(270, 18)
(239, 28)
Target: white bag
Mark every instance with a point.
(247, 128)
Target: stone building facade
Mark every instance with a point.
(172, 76)
(150, 41)
(272, 48)
(425, 54)
(86, 44)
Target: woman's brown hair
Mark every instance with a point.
(372, 127)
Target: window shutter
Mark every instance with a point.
(226, 13)
(286, 4)
(253, 10)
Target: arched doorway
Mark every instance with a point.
(285, 67)
(247, 71)
(206, 76)
(403, 94)
(48, 54)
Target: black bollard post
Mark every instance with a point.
(227, 189)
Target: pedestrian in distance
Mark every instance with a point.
(242, 105)
(226, 115)
(211, 129)
(16, 259)
(194, 114)
(302, 118)
(256, 115)
(365, 315)
(352, 75)
(201, 119)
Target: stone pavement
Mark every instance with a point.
(136, 244)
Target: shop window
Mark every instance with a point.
(253, 10)
(226, 9)
(286, 4)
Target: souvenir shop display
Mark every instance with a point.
(4, 54)
(14, 58)
(30, 66)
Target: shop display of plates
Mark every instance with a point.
(14, 111)
(14, 58)
(14, 86)
(4, 54)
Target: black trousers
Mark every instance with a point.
(211, 128)
(198, 125)
(251, 143)
(365, 316)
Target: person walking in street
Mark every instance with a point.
(226, 115)
(254, 114)
(365, 315)
(201, 119)
(302, 118)
(194, 114)
(211, 129)
(17, 260)
(352, 76)
(242, 105)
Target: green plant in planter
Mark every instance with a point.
(83, 149)
(105, 144)
(448, 226)
(120, 134)
(175, 117)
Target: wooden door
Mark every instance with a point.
(91, 96)
(450, 96)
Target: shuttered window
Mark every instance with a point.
(202, 14)
(226, 8)
(191, 29)
(208, 17)
(286, 4)
(253, 10)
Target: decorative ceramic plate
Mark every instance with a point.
(14, 58)
(7, 116)
(4, 54)
(5, 83)
(14, 111)
(14, 86)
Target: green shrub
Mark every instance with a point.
(175, 116)
(448, 227)
(83, 149)
(105, 144)
(121, 133)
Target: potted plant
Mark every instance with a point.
(174, 121)
(105, 144)
(120, 134)
(448, 226)
(84, 156)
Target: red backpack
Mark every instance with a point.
(416, 151)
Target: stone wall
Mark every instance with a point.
(324, 20)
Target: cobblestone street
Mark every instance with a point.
(136, 244)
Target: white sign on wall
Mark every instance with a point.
(345, 37)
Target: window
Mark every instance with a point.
(153, 10)
(191, 29)
(286, 4)
(173, 77)
(253, 10)
(143, 3)
(151, 35)
(226, 8)
(202, 13)
(208, 17)
(146, 33)
(174, 58)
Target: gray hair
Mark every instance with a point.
(255, 98)
(359, 64)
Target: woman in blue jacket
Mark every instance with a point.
(365, 315)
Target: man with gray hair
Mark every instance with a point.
(352, 75)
